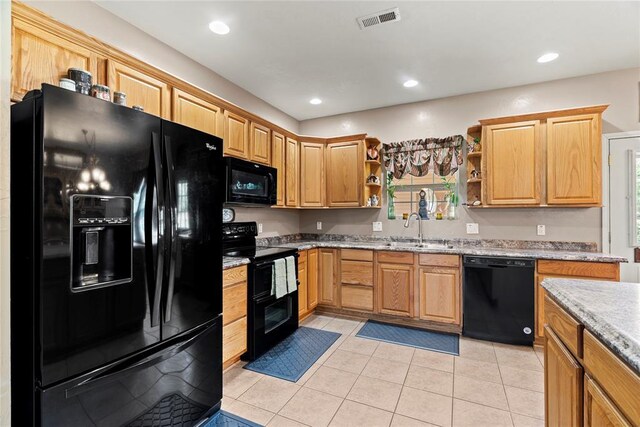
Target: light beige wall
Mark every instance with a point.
(453, 115)
(275, 222)
(5, 78)
(109, 28)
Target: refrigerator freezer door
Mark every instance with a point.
(90, 147)
(175, 386)
(195, 182)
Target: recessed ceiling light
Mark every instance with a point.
(219, 27)
(548, 57)
(410, 83)
(315, 101)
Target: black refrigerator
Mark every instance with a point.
(116, 265)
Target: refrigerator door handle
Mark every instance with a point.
(154, 279)
(123, 368)
(172, 226)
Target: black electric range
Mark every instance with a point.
(269, 319)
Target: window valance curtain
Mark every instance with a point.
(418, 157)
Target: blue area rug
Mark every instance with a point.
(413, 337)
(225, 419)
(292, 356)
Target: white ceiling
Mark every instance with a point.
(287, 52)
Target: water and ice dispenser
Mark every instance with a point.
(102, 241)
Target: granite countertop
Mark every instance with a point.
(609, 310)
(230, 262)
(554, 254)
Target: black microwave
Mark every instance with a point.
(249, 183)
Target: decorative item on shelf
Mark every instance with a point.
(422, 205)
(475, 174)
(101, 92)
(67, 84)
(475, 146)
(373, 179)
(391, 192)
(438, 215)
(369, 201)
(405, 215)
(476, 202)
(82, 78)
(372, 153)
(451, 198)
(228, 215)
(374, 200)
(120, 98)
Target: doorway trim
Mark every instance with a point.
(606, 188)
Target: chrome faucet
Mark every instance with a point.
(406, 224)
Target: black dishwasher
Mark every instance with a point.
(498, 302)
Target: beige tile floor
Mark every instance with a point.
(361, 382)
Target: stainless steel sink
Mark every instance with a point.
(410, 245)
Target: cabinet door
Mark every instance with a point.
(311, 174)
(292, 173)
(278, 155)
(440, 295)
(345, 166)
(562, 384)
(236, 135)
(260, 144)
(312, 278)
(41, 57)
(327, 277)
(192, 111)
(574, 160)
(302, 287)
(599, 411)
(395, 284)
(143, 90)
(513, 163)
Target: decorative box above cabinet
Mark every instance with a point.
(194, 112)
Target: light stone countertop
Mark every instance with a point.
(551, 254)
(230, 262)
(609, 310)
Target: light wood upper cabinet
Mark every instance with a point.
(42, 57)
(599, 410)
(292, 173)
(312, 278)
(236, 135)
(440, 294)
(278, 156)
(395, 289)
(562, 383)
(513, 165)
(327, 281)
(143, 90)
(345, 173)
(574, 160)
(260, 144)
(192, 111)
(312, 173)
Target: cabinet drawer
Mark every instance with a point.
(438, 260)
(357, 297)
(357, 254)
(234, 275)
(234, 339)
(357, 272)
(619, 381)
(234, 302)
(565, 326)
(596, 270)
(395, 257)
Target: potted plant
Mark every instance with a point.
(391, 192)
(451, 197)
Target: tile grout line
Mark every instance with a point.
(505, 390)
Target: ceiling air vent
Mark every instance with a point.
(381, 17)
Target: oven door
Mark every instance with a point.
(270, 321)
(250, 183)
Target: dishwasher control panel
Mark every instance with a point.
(499, 261)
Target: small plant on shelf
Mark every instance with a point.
(475, 146)
(391, 192)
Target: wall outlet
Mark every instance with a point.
(377, 226)
(541, 230)
(318, 225)
(259, 228)
(473, 228)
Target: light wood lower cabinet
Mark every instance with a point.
(312, 279)
(396, 289)
(440, 294)
(327, 277)
(599, 410)
(234, 314)
(302, 285)
(562, 383)
(357, 280)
